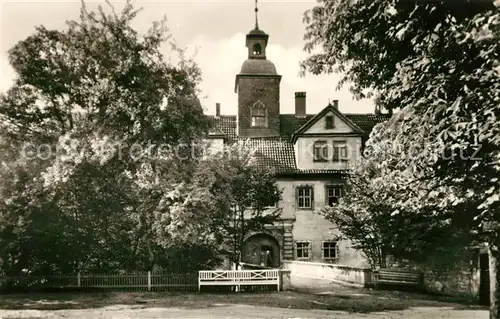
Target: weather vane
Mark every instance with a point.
(256, 19)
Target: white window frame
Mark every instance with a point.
(309, 249)
(255, 110)
(336, 249)
(327, 192)
(304, 197)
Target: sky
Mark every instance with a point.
(213, 32)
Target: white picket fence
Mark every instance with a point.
(150, 281)
(238, 278)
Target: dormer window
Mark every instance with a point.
(329, 124)
(257, 49)
(258, 114)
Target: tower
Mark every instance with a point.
(258, 88)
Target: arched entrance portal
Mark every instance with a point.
(262, 250)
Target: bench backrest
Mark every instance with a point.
(399, 275)
(222, 275)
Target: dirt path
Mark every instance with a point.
(237, 311)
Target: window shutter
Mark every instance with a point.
(326, 195)
(344, 152)
(324, 153)
(296, 197)
(335, 155)
(312, 197)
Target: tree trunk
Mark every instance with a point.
(151, 254)
(494, 257)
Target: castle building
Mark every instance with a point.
(309, 153)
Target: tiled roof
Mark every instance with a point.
(278, 153)
(366, 121)
(321, 171)
(226, 124)
(274, 153)
(289, 123)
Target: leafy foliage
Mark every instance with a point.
(440, 64)
(100, 72)
(100, 100)
(366, 40)
(243, 194)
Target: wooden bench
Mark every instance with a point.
(398, 277)
(238, 278)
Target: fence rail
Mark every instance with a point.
(137, 281)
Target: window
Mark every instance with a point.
(330, 250)
(257, 50)
(333, 193)
(320, 151)
(304, 197)
(329, 122)
(259, 115)
(302, 249)
(339, 151)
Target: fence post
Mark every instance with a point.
(149, 280)
(280, 274)
(199, 283)
(78, 280)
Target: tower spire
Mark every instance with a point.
(256, 16)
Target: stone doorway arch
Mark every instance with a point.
(261, 249)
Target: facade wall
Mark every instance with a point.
(310, 226)
(462, 281)
(214, 145)
(339, 126)
(309, 275)
(458, 276)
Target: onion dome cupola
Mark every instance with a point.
(257, 40)
(256, 43)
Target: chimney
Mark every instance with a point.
(335, 104)
(217, 109)
(300, 104)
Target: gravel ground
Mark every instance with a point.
(335, 302)
(238, 311)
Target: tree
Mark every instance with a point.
(447, 86)
(101, 100)
(338, 39)
(366, 215)
(243, 191)
(102, 73)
